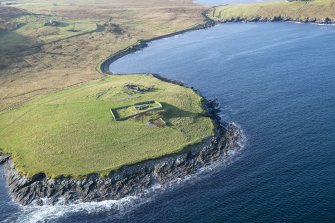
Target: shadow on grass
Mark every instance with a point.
(171, 111)
(11, 41)
(12, 49)
(62, 24)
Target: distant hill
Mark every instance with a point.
(322, 11)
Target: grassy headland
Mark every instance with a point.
(55, 105)
(306, 11)
(72, 132)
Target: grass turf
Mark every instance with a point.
(129, 111)
(36, 59)
(32, 31)
(296, 10)
(72, 132)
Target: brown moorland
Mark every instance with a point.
(36, 58)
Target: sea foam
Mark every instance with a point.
(119, 208)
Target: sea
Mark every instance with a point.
(276, 81)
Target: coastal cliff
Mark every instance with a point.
(316, 11)
(129, 180)
(278, 19)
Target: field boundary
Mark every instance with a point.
(116, 118)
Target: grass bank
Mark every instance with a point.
(322, 11)
(36, 58)
(72, 132)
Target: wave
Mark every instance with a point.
(119, 208)
(47, 213)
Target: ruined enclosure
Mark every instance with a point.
(129, 111)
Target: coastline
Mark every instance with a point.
(103, 66)
(131, 179)
(324, 21)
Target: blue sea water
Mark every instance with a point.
(277, 82)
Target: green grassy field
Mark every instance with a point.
(295, 10)
(36, 59)
(72, 132)
(32, 31)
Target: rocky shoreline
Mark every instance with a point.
(133, 179)
(129, 180)
(278, 19)
(141, 44)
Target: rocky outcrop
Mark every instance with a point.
(279, 19)
(129, 180)
(3, 158)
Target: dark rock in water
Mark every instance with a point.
(279, 19)
(256, 19)
(327, 20)
(3, 158)
(311, 19)
(276, 19)
(238, 19)
(262, 19)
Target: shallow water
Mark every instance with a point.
(7, 208)
(277, 81)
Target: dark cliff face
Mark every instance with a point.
(279, 19)
(129, 180)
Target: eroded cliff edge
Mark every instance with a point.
(129, 180)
